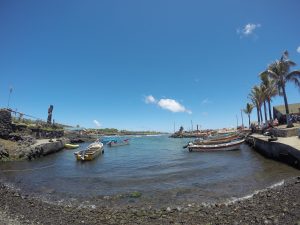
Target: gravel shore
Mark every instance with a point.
(278, 205)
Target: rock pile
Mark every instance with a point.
(3, 152)
(5, 123)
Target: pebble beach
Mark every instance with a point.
(276, 205)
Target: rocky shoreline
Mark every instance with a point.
(277, 205)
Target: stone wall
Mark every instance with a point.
(274, 150)
(5, 123)
(286, 132)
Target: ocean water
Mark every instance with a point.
(156, 166)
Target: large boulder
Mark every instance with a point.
(5, 123)
(3, 152)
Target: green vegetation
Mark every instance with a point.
(113, 131)
(108, 131)
(273, 82)
(248, 111)
(36, 124)
(256, 98)
(126, 132)
(135, 194)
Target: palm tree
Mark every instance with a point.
(248, 110)
(256, 98)
(280, 72)
(263, 91)
(271, 90)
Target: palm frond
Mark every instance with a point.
(296, 81)
(295, 73)
(272, 74)
(290, 63)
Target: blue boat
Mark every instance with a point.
(115, 143)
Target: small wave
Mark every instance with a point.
(233, 200)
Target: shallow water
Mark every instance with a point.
(156, 166)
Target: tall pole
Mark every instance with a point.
(237, 121)
(192, 125)
(10, 91)
(242, 118)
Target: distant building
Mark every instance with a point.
(279, 111)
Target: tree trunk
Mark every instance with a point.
(265, 109)
(287, 112)
(249, 119)
(261, 117)
(258, 119)
(270, 113)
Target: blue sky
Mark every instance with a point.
(101, 60)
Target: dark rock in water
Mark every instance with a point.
(76, 140)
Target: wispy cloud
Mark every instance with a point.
(96, 122)
(206, 101)
(298, 49)
(168, 104)
(248, 30)
(150, 99)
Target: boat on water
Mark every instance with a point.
(216, 139)
(225, 146)
(92, 151)
(108, 139)
(71, 146)
(115, 143)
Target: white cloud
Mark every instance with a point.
(248, 30)
(298, 49)
(168, 104)
(206, 101)
(150, 99)
(96, 122)
(172, 105)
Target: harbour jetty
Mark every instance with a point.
(283, 145)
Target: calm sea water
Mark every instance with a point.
(156, 166)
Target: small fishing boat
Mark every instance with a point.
(217, 140)
(227, 146)
(107, 140)
(71, 146)
(93, 150)
(115, 143)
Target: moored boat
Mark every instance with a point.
(93, 150)
(115, 143)
(227, 146)
(217, 140)
(71, 146)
